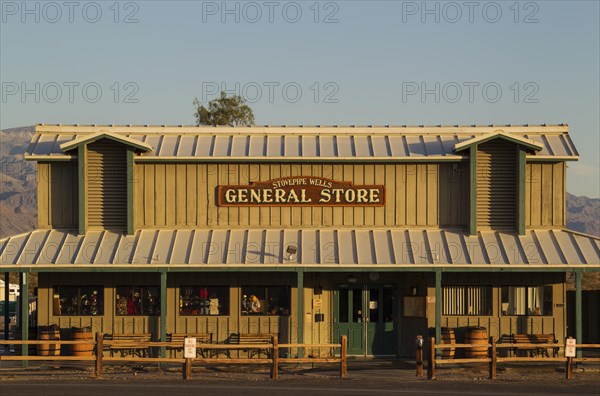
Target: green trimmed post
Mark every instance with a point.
(24, 314)
(472, 190)
(578, 313)
(438, 309)
(163, 313)
(81, 182)
(521, 178)
(300, 285)
(130, 191)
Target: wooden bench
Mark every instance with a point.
(517, 339)
(129, 344)
(201, 338)
(254, 338)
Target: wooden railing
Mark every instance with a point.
(492, 358)
(99, 345)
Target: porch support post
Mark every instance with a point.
(522, 175)
(24, 313)
(163, 312)
(131, 180)
(438, 309)
(300, 289)
(6, 309)
(578, 312)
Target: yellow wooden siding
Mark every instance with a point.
(57, 195)
(184, 195)
(497, 185)
(106, 184)
(545, 195)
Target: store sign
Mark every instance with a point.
(571, 347)
(301, 191)
(189, 349)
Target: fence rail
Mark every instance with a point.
(99, 358)
(492, 356)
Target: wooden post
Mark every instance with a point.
(343, 362)
(493, 359)
(99, 353)
(275, 368)
(419, 344)
(431, 365)
(187, 369)
(569, 368)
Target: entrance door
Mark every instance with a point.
(365, 314)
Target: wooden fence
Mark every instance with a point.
(492, 358)
(99, 347)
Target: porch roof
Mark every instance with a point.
(317, 249)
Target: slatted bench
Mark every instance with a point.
(129, 344)
(517, 339)
(201, 338)
(253, 339)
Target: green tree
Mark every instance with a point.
(225, 110)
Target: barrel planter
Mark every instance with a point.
(48, 333)
(80, 334)
(448, 337)
(476, 335)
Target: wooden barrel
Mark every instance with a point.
(476, 335)
(48, 333)
(79, 334)
(448, 338)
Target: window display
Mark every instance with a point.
(265, 300)
(137, 300)
(78, 300)
(204, 300)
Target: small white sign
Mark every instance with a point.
(317, 303)
(431, 300)
(372, 304)
(189, 348)
(570, 348)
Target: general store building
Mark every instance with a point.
(378, 233)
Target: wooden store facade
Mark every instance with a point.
(378, 233)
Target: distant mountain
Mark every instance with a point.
(583, 214)
(18, 196)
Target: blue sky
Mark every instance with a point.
(308, 62)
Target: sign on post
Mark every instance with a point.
(570, 347)
(189, 348)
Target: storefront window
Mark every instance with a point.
(137, 300)
(266, 300)
(467, 300)
(204, 300)
(78, 300)
(527, 300)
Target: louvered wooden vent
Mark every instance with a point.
(497, 185)
(106, 173)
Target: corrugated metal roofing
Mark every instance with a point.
(251, 248)
(303, 143)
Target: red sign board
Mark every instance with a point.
(301, 191)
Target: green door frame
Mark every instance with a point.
(369, 330)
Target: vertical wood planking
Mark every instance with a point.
(348, 172)
(160, 215)
(432, 194)
(138, 195)
(359, 178)
(401, 194)
(43, 180)
(265, 211)
(234, 179)
(211, 185)
(421, 202)
(390, 194)
(191, 194)
(411, 195)
(170, 183)
(201, 214)
(181, 197)
(536, 194)
(380, 178)
(557, 194)
(149, 218)
(546, 195)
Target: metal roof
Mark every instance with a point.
(378, 248)
(337, 143)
